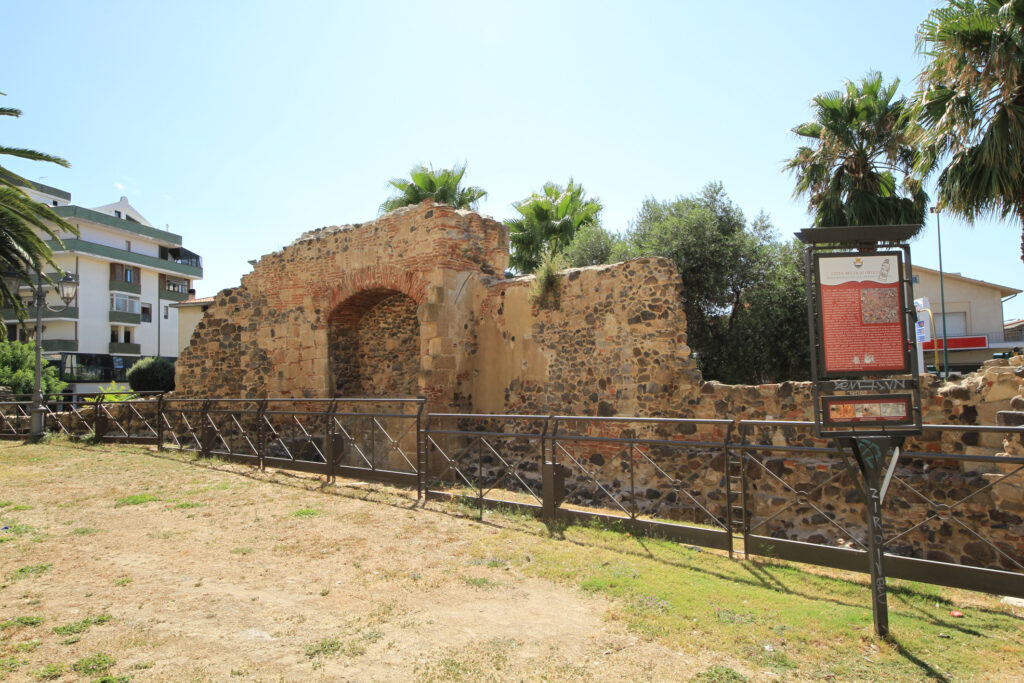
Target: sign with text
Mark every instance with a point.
(863, 326)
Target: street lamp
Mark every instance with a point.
(67, 288)
(942, 297)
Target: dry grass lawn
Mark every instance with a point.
(125, 563)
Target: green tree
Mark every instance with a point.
(18, 369)
(971, 106)
(548, 221)
(856, 167)
(746, 315)
(22, 250)
(443, 186)
(593, 245)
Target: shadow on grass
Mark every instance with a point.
(927, 669)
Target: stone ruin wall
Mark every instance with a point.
(415, 303)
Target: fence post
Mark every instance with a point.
(421, 452)
(329, 439)
(160, 422)
(204, 429)
(727, 470)
(632, 479)
(261, 433)
(99, 424)
(547, 473)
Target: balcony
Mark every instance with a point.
(168, 295)
(60, 345)
(125, 318)
(125, 349)
(69, 313)
(127, 287)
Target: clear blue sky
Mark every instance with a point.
(243, 124)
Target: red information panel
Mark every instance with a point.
(862, 321)
(859, 410)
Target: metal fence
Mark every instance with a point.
(767, 487)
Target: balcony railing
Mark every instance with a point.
(125, 318)
(125, 349)
(128, 287)
(10, 316)
(60, 345)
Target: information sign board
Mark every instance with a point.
(863, 326)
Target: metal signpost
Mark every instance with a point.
(864, 365)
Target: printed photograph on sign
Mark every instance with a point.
(879, 306)
(861, 314)
(860, 410)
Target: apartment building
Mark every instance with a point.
(130, 274)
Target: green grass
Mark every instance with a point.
(719, 674)
(323, 648)
(765, 615)
(99, 663)
(137, 499)
(84, 531)
(241, 551)
(306, 512)
(76, 627)
(480, 582)
(28, 645)
(123, 581)
(10, 664)
(21, 621)
(51, 672)
(27, 571)
(188, 505)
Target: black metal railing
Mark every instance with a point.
(769, 487)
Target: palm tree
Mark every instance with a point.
(971, 106)
(548, 222)
(443, 186)
(23, 251)
(856, 168)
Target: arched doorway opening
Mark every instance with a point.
(374, 345)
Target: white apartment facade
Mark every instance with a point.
(130, 274)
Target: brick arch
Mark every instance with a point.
(367, 284)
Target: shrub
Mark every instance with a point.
(152, 374)
(114, 393)
(544, 288)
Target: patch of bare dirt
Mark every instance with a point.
(232, 574)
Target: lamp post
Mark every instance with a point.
(942, 297)
(67, 288)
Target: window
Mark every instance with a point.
(117, 214)
(173, 284)
(127, 245)
(127, 335)
(113, 335)
(122, 273)
(122, 303)
(167, 312)
(94, 367)
(147, 313)
(16, 332)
